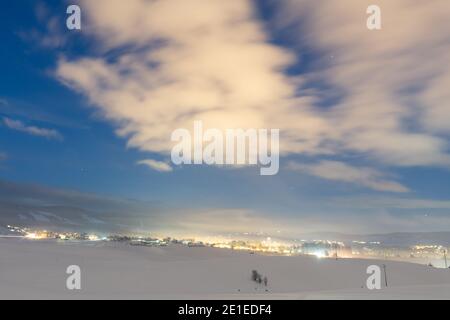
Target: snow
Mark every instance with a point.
(109, 270)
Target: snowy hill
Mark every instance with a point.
(37, 270)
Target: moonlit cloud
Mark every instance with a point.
(213, 61)
(156, 165)
(197, 60)
(338, 171)
(32, 130)
(374, 202)
(394, 82)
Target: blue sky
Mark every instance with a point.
(364, 145)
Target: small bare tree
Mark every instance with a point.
(258, 278)
(255, 275)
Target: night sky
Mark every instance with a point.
(363, 115)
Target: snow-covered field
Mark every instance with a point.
(37, 270)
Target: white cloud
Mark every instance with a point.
(197, 60)
(156, 165)
(394, 82)
(212, 60)
(32, 130)
(339, 171)
(365, 202)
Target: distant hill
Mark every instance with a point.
(405, 239)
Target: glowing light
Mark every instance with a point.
(319, 254)
(93, 237)
(32, 236)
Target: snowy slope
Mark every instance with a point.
(32, 269)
